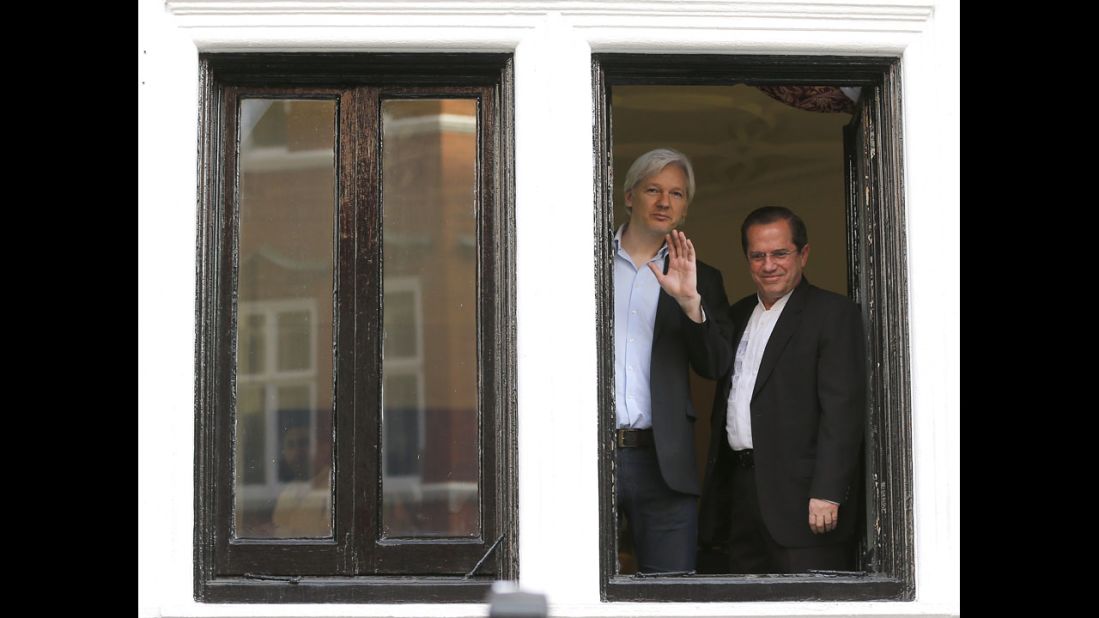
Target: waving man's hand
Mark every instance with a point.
(681, 282)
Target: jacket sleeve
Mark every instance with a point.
(708, 346)
(841, 394)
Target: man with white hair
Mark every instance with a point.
(669, 312)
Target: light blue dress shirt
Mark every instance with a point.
(636, 292)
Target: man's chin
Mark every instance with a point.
(769, 297)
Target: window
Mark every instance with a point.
(873, 233)
(277, 424)
(355, 425)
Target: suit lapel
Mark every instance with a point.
(740, 313)
(785, 328)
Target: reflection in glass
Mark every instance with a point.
(251, 435)
(403, 434)
(250, 352)
(294, 344)
(429, 395)
(283, 412)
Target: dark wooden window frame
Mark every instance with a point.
(356, 565)
(877, 280)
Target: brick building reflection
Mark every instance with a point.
(284, 389)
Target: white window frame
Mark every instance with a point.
(552, 42)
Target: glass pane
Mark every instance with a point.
(252, 439)
(295, 351)
(402, 425)
(429, 395)
(250, 351)
(401, 321)
(283, 435)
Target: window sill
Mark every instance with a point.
(392, 589)
(713, 588)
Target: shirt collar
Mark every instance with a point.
(779, 304)
(660, 255)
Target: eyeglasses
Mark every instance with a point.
(780, 255)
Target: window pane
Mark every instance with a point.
(402, 426)
(251, 442)
(401, 324)
(283, 440)
(430, 438)
(250, 352)
(303, 507)
(295, 351)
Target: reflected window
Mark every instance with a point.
(284, 312)
(282, 450)
(430, 325)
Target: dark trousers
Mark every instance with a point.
(753, 550)
(663, 522)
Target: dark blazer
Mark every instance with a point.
(808, 413)
(678, 342)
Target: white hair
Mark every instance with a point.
(653, 162)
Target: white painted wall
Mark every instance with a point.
(552, 42)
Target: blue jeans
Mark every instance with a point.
(664, 522)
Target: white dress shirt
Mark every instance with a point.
(749, 354)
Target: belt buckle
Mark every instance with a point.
(628, 438)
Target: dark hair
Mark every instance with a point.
(770, 214)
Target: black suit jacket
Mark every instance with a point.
(678, 342)
(808, 414)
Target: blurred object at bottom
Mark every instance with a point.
(505, 600)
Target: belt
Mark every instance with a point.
(744, 459)
(633, 438)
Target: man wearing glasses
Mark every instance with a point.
(787, 423)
